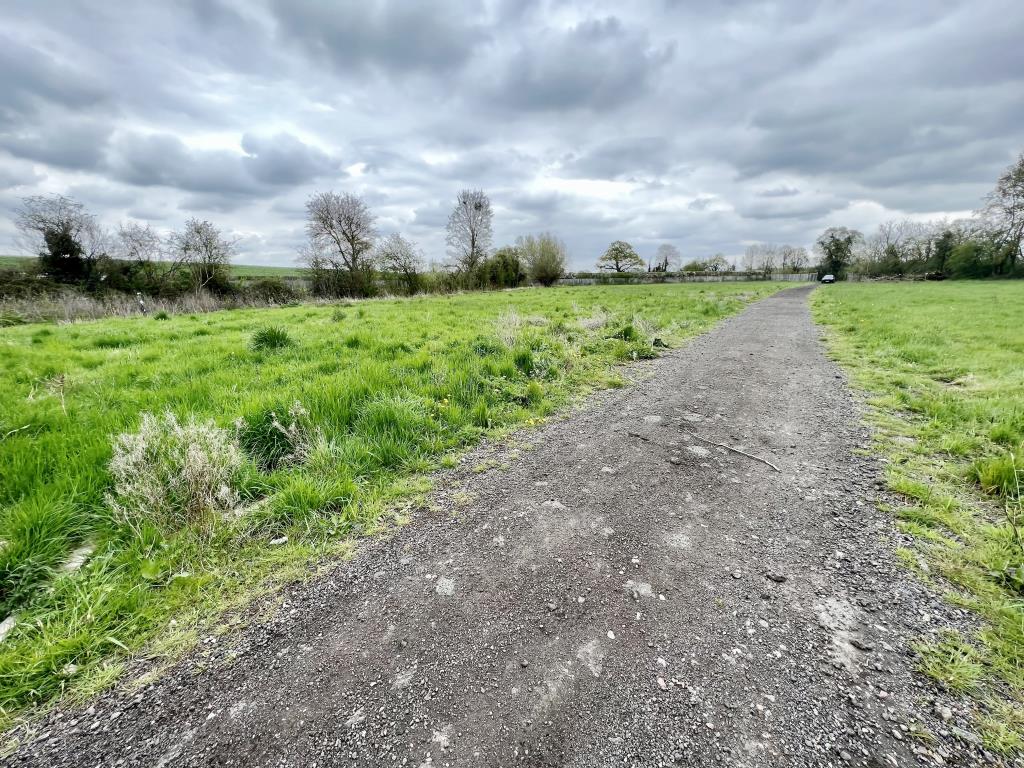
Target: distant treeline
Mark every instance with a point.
(346, 256)
(984, 246)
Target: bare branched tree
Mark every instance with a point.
(761, 257)
(793, 257)
(342, 234)
(138, 242)
(1004, 214)
(403, 259)
(201, 249)
(470, 231)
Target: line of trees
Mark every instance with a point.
(346, 256)
(989, 244)
(766, 258)
(74, 249)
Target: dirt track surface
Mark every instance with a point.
(621, 594)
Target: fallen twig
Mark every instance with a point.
(730, 448)
(15, 431)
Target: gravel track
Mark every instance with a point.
(622, 593)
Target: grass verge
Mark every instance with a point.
(943, 368)
(273, 438)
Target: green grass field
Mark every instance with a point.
(943, 366)
(14, 262)
(389, 390)
(251, 270)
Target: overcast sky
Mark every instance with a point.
(649, 122)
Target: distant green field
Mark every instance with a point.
(237, 270)
(389, 389)
(943, 365)
(249, 270)
(14, 262)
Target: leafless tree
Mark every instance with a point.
(342, 234)
(138, 242)
(402, 258)
(1004, 213)
(793, 257)
(470, 231)
(667, 258)
(761, 257)
(201, 249)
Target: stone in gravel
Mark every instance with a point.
(944, 712)
(638, 589)
(778, 578)
(737, 574)
(445, 586)
(970, 738)
(862, 645)
(698, 450)
(591, 654)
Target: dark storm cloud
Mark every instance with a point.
(707, 125)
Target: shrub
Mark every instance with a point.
(161, 315)
(271, 443)
(175, 474)
(271, 337)
(545, 257)
(272, 289)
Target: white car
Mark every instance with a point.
(828, 279)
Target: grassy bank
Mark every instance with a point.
(943, 365)
(302, 422)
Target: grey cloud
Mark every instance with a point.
(599, 64)
(66, 142)
(391, 36)
(624, 157)
(31, 79)
(782, 191)
(284, 160)
(267, 162)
